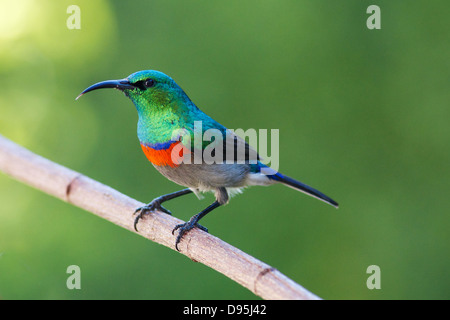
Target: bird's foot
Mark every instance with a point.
(155, 205)
(185, 227)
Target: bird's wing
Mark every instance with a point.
(236, 149)
(226, 146)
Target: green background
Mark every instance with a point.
(363, 116)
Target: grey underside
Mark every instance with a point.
(222, 179)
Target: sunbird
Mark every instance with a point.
(166, 131)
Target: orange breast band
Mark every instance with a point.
(165, 156)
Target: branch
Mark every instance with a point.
(90, 195)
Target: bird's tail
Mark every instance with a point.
(297, 185)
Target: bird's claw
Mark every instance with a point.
(185, 227)
(152, 206)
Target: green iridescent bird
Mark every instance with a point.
(167, 131)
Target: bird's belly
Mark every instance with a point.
(205, 177)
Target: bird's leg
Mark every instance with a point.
(193, 222)
(156, 205)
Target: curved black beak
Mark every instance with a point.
(118, 84)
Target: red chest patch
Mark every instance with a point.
(171, 156)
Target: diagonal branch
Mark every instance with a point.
(90, 195)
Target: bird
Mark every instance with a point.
(167, 131)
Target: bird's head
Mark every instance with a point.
(147, 89)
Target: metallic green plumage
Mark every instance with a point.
(165, 110)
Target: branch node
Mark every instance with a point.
(261, 274)
(69, 186)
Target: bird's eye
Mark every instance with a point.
(149, 83)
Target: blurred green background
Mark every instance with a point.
(363, 116)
